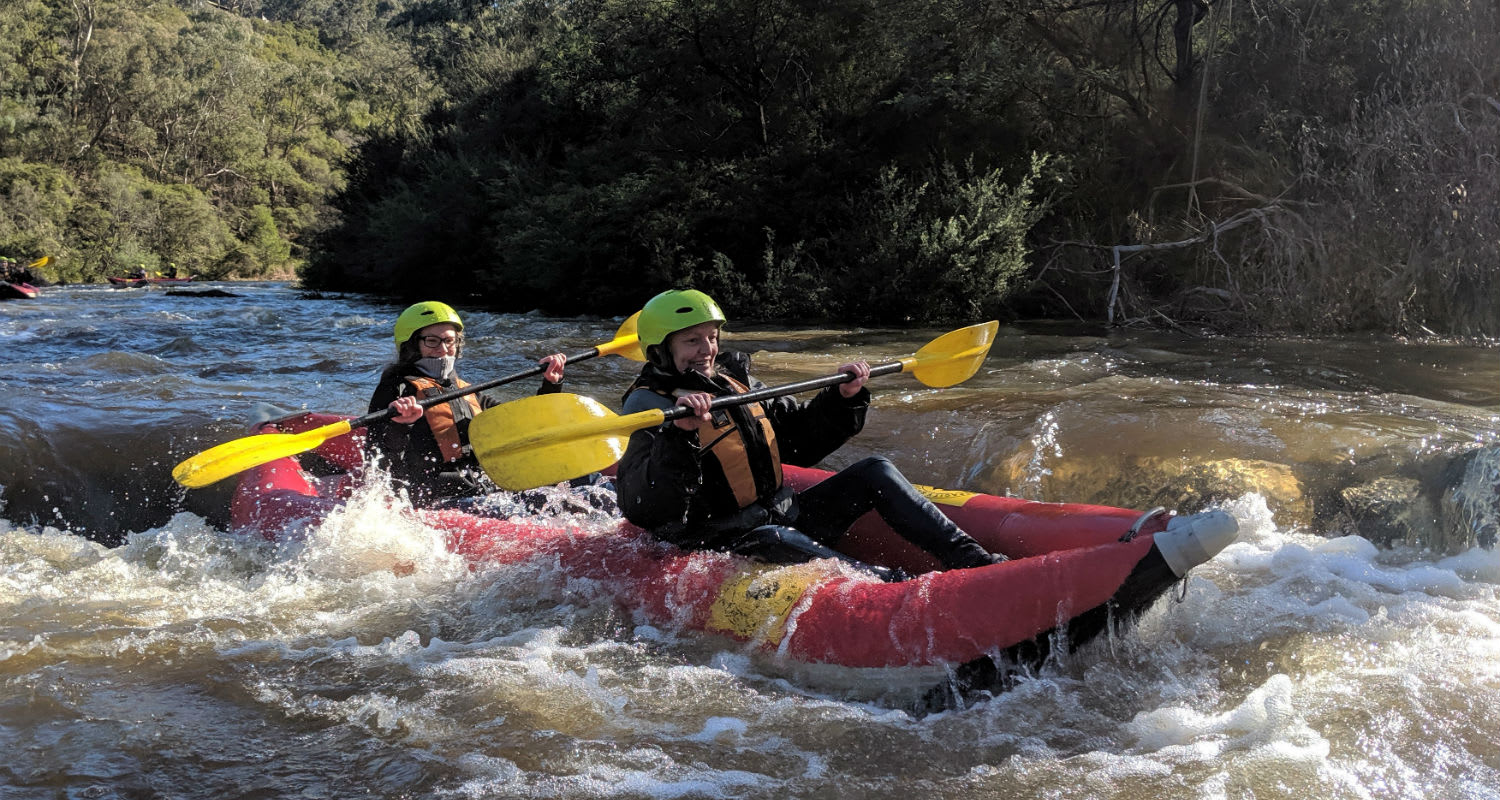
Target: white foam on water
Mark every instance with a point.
(369, 558)
(1290, 652)
(662, 778)
(1266, 718)
(1324, 667)
(375, 532)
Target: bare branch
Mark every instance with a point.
(1213, 231)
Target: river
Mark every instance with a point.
(145, 652)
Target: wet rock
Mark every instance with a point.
(1447, 501)
(1389, 511)
(203, 293)
(1178, 486)
(1202, 485)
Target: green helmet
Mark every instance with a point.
(421, 315)
(673, 310)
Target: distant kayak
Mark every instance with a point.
(17, 291)
(132, 282)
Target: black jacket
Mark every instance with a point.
(661, 480)
(411, 452)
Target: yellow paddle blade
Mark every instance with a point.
(953, 357)
(217, 463)
(548, 438)
(41, 262)
(625, 342)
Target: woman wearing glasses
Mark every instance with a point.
(427, 451)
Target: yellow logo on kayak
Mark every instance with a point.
(946, 497)
(756, 604)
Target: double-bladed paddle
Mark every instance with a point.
(541, 440)
(217, 463)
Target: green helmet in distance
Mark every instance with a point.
(421, 315)
(673, 310)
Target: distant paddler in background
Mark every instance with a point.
(427, 451)
(12, 271)
(713, 480)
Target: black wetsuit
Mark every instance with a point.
(668, 486)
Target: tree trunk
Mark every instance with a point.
(1182, 37)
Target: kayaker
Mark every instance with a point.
(427, 451)
(713, 481)
(11, 271)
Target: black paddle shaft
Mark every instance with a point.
(428, 402)
(677, 412)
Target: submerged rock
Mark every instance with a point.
(1388, 511)
(1213, 482)
(1445, 500)
(1448, 502)
(1183, 487)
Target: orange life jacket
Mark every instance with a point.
(444, 418)
(727, 444)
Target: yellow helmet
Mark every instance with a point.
(673, 310)
(421, 315)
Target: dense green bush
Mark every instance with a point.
(36, 201)
(152, 133)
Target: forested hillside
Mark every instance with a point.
(1282, 165)
(210, 137)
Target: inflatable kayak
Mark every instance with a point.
(1074, 565)
(17, 291)
(134, 282)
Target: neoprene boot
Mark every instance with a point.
(963, 553)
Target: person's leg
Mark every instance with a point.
(827, 510)
(777, 544)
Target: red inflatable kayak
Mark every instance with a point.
(17, 291)
(1083, 565)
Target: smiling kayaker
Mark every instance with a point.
(428, 452)
(713, 480)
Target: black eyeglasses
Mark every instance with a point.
(438, 341)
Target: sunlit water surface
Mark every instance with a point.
(144, 652)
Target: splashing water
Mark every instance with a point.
(359, 656)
